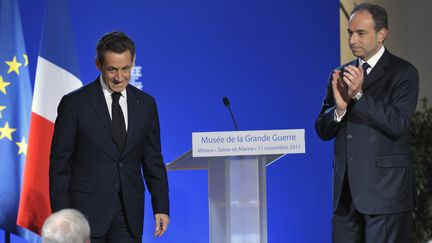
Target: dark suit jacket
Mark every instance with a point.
(372, 140)
(86, 165)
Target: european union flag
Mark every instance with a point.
(15, 108)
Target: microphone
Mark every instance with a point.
(227, 104)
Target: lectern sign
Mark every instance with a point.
(211, 144)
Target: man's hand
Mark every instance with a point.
(161, 221)
(353, 78)
(340, 93)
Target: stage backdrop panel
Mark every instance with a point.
(271, 58)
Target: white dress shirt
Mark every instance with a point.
(373, 60)
(122, 101)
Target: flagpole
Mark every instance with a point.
(7, 237)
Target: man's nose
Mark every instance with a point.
(118, 75)
(353, 39)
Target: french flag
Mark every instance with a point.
(56, 75)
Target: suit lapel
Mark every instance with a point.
(133, 112)
(378, 71)
(98, 102)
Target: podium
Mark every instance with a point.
(236, 164)
(236, 194)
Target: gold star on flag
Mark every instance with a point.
(22, 146)
(3, 85)
(13, 65)
(1, 108)
(6, 131)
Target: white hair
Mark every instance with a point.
(66, 226)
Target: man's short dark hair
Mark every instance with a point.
(115, 41)
(379, 14)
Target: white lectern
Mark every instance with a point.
(237, 195)
(236, 164)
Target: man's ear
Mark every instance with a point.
(98, 64)
(382, 35)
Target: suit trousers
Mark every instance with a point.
(119, 230)
(351, 226)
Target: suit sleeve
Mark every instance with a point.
(325, 124)
(62, 149)
(392, 117)
(154, 169)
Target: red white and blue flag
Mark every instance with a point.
(56, 75)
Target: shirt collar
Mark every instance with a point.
(107, 92)
(374, 59)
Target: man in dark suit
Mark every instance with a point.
(105, 134)
(367, 109)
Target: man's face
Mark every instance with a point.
(116, 69)
(364, 41)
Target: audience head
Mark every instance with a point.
(66, 226)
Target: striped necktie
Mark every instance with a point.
(365, 67)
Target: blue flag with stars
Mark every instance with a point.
(15, 110)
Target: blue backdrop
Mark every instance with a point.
(271, 58)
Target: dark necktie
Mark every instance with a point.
(365, 67)
(118, 120)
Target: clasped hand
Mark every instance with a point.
(346, 86)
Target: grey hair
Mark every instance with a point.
(66, 226)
